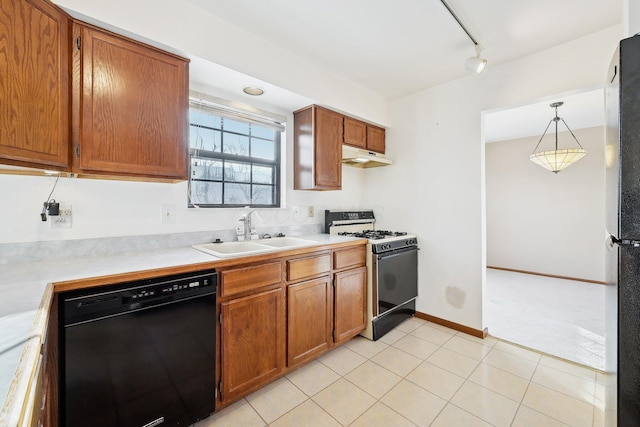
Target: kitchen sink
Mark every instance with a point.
(232, 249)
(235, 249)
(286, 242)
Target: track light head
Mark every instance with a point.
(476, 64)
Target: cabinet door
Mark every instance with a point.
(309, 319)
(133, 109)
(375, 139)
(317, 152)
(355, 133)
(252, 342)
(350, 303)
(34, 84)
(328, 150)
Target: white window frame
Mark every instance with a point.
(226, 109)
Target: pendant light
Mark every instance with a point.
(558, 159)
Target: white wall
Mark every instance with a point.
(543, 222)
(436, 187)
(115, 208)
(189, 30)
(104, 208)
(631, 17)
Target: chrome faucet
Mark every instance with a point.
(246, 219)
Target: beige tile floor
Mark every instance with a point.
(423, 374)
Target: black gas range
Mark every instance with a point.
(392, 268)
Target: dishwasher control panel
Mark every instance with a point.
(142, 294)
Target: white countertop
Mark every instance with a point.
(26, 296)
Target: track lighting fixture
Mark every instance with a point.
(476, 63)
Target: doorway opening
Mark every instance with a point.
(544, 231)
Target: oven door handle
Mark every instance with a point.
(396, 252)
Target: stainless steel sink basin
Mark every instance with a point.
(232, 249)
(286, 242)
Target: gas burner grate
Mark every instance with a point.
(373, 234)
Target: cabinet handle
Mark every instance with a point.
(78, 43)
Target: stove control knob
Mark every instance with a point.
(410, 242)
(387, 246)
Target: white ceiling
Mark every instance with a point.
(580, 110)
(394, 48)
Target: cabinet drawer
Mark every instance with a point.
(247, 278)
(307, 267)
(354, 257)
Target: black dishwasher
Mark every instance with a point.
(139, 354)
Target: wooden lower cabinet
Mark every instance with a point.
(309, 307)
(252, 342)
(350, 303)
(277, 315)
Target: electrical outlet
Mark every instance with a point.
(312, 212)
(168, 214)
(63, 219)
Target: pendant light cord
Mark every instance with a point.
(556, 119)
(543, 134)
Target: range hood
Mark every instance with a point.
(360, 158)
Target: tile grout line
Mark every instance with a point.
(539, 364)
(521, 404)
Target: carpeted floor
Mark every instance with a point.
(563, 318)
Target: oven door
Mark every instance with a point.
(396, 278)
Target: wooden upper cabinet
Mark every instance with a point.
(362, 135)
(355, 132)
(131, 107)
(375, 139)
(34, 84)
(317, 149)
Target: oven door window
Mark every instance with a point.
(397, 278)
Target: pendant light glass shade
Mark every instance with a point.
(558, 159)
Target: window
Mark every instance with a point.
(234, 157)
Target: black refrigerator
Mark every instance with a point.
(622, 308)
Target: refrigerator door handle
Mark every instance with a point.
(626, 242)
